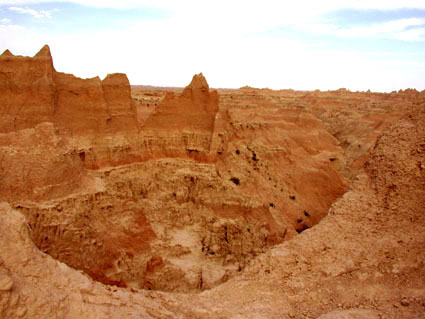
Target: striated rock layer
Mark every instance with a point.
(182, 190)
(183, 125)
(364, 260)
(33, 92)
(181, 201)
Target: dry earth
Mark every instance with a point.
(146, 202)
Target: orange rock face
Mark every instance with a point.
(27, 89)
(38, 163)
(183, 125)
(120, 106)
(195, 109)
(33, 93)
(220, 176)
(183, 190)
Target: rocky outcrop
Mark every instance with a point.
(27, 88)
(400, 175)
(205, 190)
(44, 116)
(80, 106)
(33, 92)
(120, 106)
(211, 186)
(183, 125)
(194, 109)
(39, 163)
(365, 259)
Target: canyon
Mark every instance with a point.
(125, 201)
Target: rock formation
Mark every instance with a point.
(188, 190)
(183, 125)
(33, 92)
(27, 89)
(38, 163)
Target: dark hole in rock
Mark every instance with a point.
(235, 180)
(292, 197)
(301, 228)
(82, 156)
(306, 214)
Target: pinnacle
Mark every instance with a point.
(44, 52)
(198, 82)
(7, 53)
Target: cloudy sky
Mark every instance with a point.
(304, 45)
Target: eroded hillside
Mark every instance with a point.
(182, 190)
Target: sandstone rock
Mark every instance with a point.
(351, 314)
(121, 109)
(183, 125)
(240, 219)
(38, 163)
(206, 191)
(154, 263)
(6, 283)
(28, 89)
(80, 104)
(33, 92)
(7, 53)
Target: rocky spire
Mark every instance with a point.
(44, 53)
(198, 89)
(198, 82)
(7, 53)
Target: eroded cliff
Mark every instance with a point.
(196, 189)
(183, 190)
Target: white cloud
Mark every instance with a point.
(395, 29)
(16, 37)
(411, 35)
(241, 16)
(40, 14)
(5, 21)
(412, 29)
(285, 9)
(306, 5)
(9, 30)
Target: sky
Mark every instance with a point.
(303, 45)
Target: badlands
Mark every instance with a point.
(121, 201)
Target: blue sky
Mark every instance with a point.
(307, 45)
